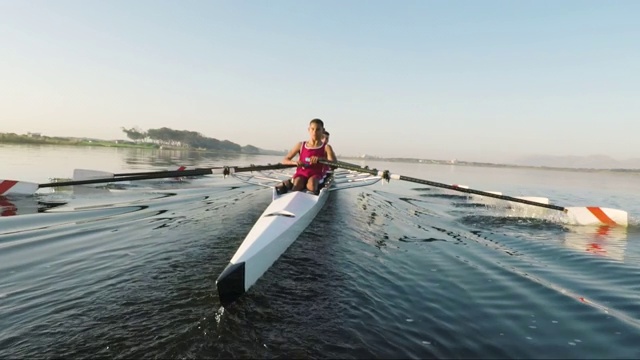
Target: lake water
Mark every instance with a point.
(395, 270)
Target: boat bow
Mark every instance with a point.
(277, 228)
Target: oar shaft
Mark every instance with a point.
(161, 171)
(477, 192)
(93, 174)
(167, 174)
(145, 173)
(440, 185)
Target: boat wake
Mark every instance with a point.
(527, 248)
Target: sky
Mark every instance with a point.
(469, 80)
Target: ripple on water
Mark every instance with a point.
(377, 275)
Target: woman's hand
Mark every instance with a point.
(313, 160)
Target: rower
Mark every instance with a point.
(287, 185)
(325, 140)
(309, 173)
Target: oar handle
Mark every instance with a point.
(385, 174)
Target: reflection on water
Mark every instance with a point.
(604, 241)
(161, 158)
(607, 241)
(12, 206)
(41, 163)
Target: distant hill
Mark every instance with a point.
(271, 152)
(578, 162)
(163, 138)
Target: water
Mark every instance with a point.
(390, 271)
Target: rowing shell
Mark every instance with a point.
(278, 227)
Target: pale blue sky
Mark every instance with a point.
(473, 80)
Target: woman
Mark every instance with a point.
(288, 184)
(309, 171)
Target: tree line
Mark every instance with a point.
(187, 139)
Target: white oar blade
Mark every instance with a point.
(85, 174)
(12, 187)
(593, 215)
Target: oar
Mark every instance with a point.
(13, 187)
(538, 199)
(86, 174)
(589, 215)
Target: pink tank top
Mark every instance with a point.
(315, 170)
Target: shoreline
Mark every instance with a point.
(492, 165)
(62, 141)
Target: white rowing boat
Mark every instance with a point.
(278, 227)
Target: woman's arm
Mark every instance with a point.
(331, 156)
(293, 152)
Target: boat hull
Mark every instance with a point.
(277, 228)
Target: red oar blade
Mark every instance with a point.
(593, 215)
(13, 187)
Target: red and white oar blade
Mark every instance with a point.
(85, 174)
(13, 187)
(593, 215)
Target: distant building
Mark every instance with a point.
(34, 135)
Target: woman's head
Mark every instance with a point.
(317, 122)
(316, 129)
(325, 136)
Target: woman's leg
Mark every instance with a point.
(312, 184)
(299, 183)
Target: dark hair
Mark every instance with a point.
(317, 122)
(326, 133)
